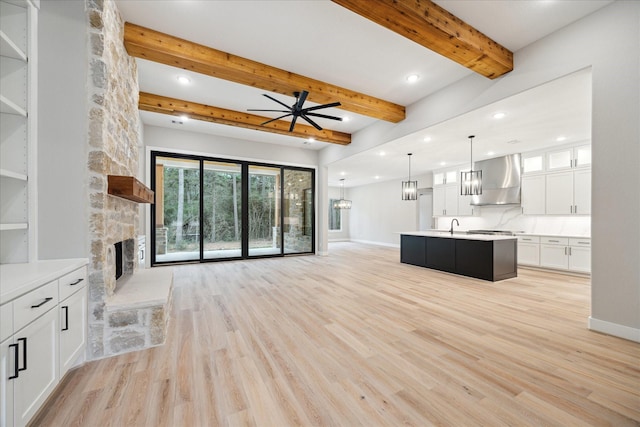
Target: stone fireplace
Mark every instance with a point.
(124, 315)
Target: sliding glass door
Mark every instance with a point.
(177, 209)
(211, 209)
(222, 210)
(264, 210)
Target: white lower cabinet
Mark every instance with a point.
(573, 254)
(73, 327)
(529, 250)
(43, 334)
(8, 365)
(38, 368)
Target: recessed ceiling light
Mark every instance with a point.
(346, 118)
(184, 118)
(377, 177)
(382, 153)
(412, 78)
(561, 138)
(490, 153)
(427, 139)
(183, 80)
(443, 163)
(499, 115)
(343, 173)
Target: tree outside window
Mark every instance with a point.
(335, 216)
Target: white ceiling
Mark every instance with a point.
(322, 40)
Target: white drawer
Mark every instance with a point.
(586, 242)
(6, 321)
(529, 239)
(72, 282)
(554, 240)
(29, 307)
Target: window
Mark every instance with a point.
(335, 216)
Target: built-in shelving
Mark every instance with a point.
(15, 175)
(18, 226)
(18, 128)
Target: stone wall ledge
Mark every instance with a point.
(146, 288)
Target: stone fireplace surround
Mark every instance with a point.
(134, 315)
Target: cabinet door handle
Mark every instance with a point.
(569, 250)
(15, 359)
(575, 208)
(565, 250)
(24, 354)
(66, 317)
(46, 300)
(76, 282)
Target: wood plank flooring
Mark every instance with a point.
(358, 339)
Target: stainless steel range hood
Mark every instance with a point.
(500, 181)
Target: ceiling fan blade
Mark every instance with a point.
(279, 102)
(324, 116)
(314, 124)
(293, 123)
(318, 107)
(301, 99)
(275, 111)
(273, 120)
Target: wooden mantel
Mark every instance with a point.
(128, 187)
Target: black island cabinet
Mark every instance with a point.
(487, 258)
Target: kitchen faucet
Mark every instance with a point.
(451, 229)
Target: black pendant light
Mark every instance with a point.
(409, 188)
(471, 182)
(342, 203)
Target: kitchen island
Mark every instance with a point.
(487, 257)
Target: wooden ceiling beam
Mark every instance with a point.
(433, 27)
(148, 44)
(177, 107)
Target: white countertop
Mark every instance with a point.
(568, 236)
(458, 235)
(18, 279)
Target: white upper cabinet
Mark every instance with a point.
(533, 163)
(569, 157)
(533, 195)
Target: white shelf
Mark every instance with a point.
(15, 175)
(10, 49)
(6, 106)
(16, 226)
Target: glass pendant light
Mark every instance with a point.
(409, 188)
(471, 182)
(342, 203)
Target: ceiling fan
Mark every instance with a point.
(296, 110)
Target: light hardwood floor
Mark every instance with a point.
(358, 339)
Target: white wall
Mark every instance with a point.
(62, 130)
(213, 145)
(609, 42)
(378, 213)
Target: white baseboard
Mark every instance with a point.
(369, 242)
(620, 331)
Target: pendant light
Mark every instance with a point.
(409, 188)
(471, 182)
(342, 203)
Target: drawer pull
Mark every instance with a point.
(15, 358)
(46, 300)
(554, 241)
(583, 243)
(24, 354)
(76, 282)
(66, 317)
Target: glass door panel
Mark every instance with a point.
(298, 211)
(177, 209)
(222, 210)
(264, 211)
